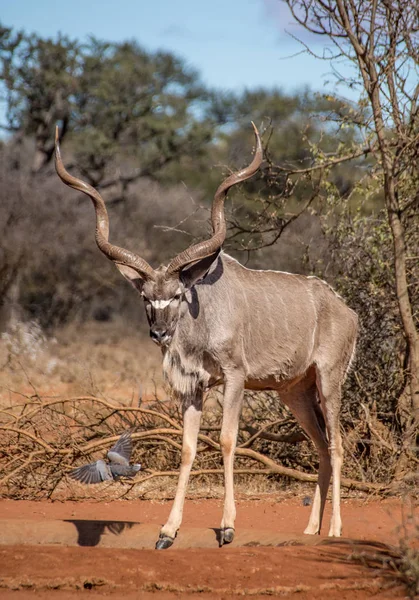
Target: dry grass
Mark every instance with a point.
(105, 359)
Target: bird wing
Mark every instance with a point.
(120, 453)
(92, 473)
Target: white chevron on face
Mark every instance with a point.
(160, 303)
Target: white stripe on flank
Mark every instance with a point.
(160, 303)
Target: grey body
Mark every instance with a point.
(302, 322)
(118, 466)
(220, 323)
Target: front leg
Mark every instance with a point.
(233, 402)
(192, 410)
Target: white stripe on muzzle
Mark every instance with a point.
(160, 303)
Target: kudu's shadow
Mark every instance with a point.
(90, 532)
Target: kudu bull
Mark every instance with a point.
(218, 322)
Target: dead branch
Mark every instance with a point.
(329, 163)
(293, 474)
(291, 438)
(34, 438)
(15, 471)
(104, 403)
(53, 439)
(155, 474)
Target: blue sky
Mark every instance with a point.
(234, 44)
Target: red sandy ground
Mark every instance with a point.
(306, 572)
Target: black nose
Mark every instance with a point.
(157, 335)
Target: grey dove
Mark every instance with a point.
(118, 466)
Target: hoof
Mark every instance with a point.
(164, 542)
(226, 536)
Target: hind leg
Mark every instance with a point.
(305, 406)
(329, 388)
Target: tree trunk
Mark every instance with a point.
(398, 234)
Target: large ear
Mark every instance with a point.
(192, 274)
(132, 276)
